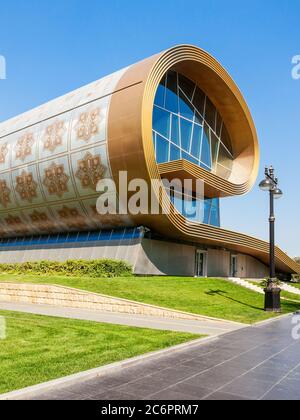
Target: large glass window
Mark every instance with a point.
(162, 147)
(205, 211)
(186, 125)
(206, 148)
(188, 120)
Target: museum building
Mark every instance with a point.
(177, 115)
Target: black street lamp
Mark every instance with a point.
(272, 291)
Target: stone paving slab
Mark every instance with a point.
(255, 363)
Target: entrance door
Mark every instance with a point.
(233, 266)
(201, 264)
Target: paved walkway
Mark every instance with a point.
(256, 288)
(261, 362)
(206, 327)
(247, 285)
(289, 288)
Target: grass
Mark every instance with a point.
(290, 296)
(40, 348)
(210, 297)
(284, 294)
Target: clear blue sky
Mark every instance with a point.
(54, 46)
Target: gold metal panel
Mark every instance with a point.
(131, 148)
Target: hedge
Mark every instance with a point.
(92, 268)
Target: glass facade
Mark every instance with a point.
(205, 211)
(73, 238)
(187, 125)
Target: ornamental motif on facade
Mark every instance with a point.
(4, 193)
(56, 180)
(88, 125)
(72, 218)
(41, 221)
(90, 171)
(108, 220)
(3, 153)
(53, 137)
(24, 146)
(16, 224)
(26, 186)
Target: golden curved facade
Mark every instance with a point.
(52, 158)
(131, 147)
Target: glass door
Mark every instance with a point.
(233, 266)
(201, 264)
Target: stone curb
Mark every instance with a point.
(271, 320)
(94, 373)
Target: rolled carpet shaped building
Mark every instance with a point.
(176, 115)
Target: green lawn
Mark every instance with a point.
(40, 348)
(210, 297)
(290, 296)
(284, 294)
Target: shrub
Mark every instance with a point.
(92, 268)
(276, 283)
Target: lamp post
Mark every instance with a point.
(272, 291)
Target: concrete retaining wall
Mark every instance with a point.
(165, 258)
(147, 257)
(67, 297)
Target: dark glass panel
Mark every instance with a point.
(214, 216)
(196, 142)
(215, 213)
(210, 114)
(160, 96)
(186, 134)
(190, 209)
(178, 202)
(214, 149)
(207, 207)
(186, 110)
(171, 193)
(206, 152)
(105, 235)
(224, 157)
(94, 236)
(199, 100)
(175, 130)
(162, 150)
(205, 167)
(189, 158)
(219, 124)
(200, 210)
(226, 138)
(172, 81)
(187, 86)
(172, 93)
(161, 121)
(198, 118)
(174, 153)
